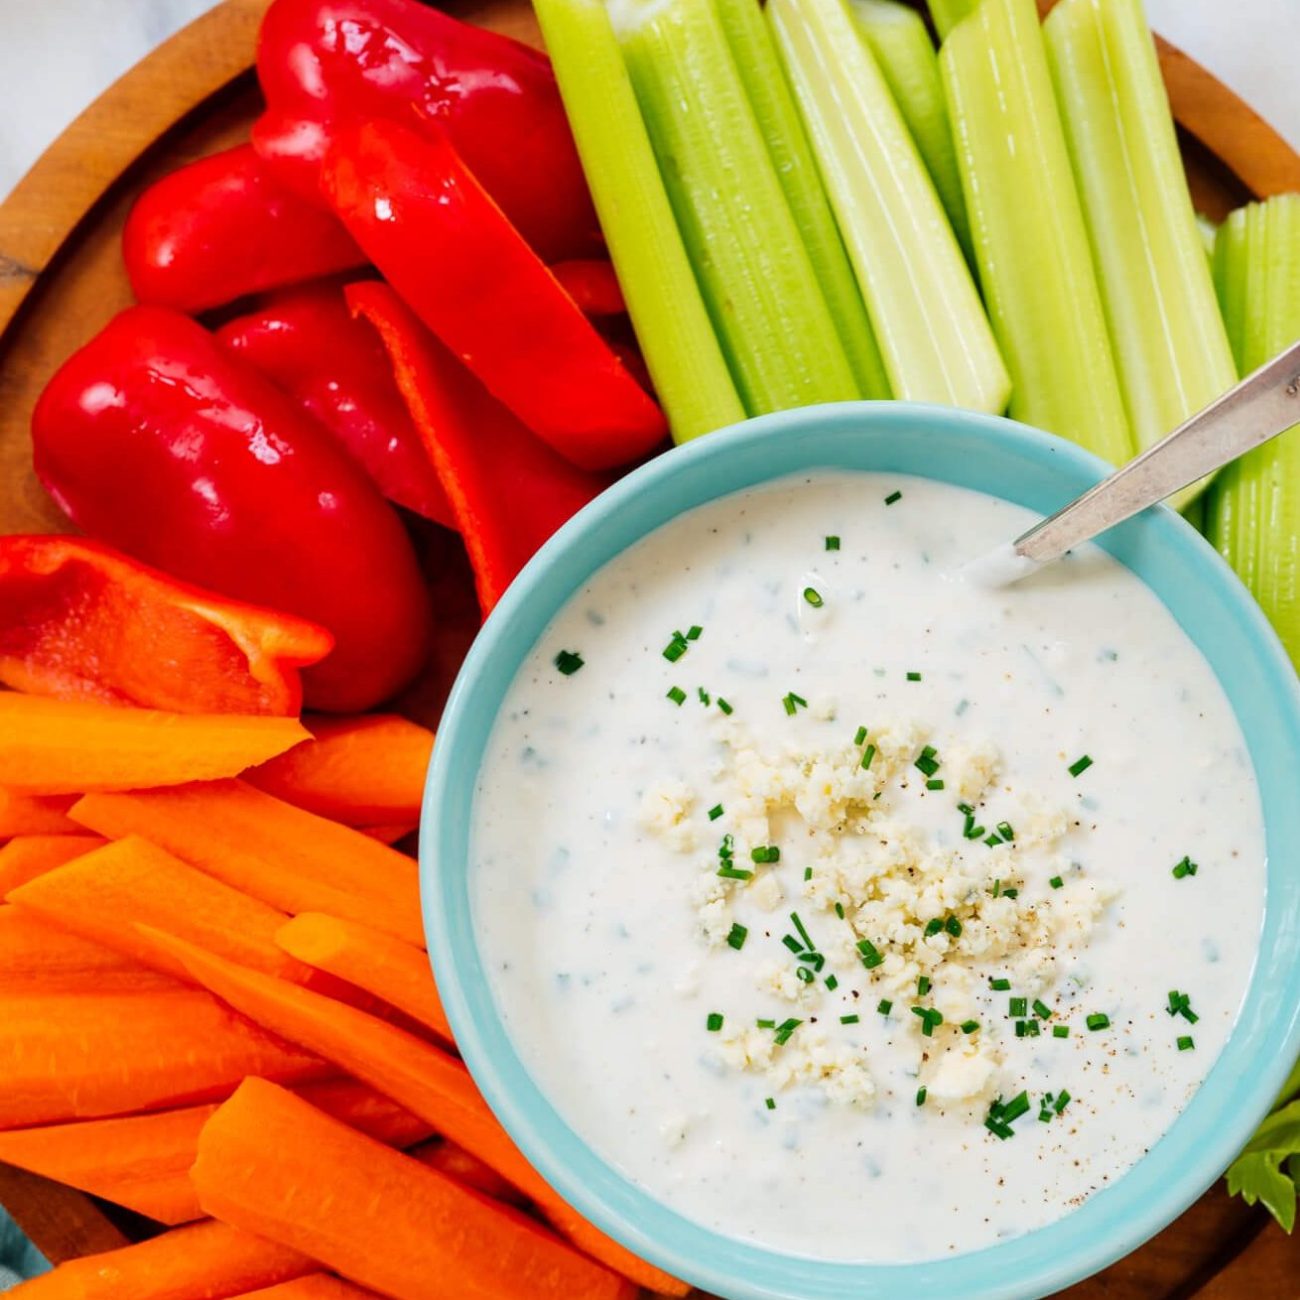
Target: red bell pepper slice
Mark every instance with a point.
(81, 621)
(324, 63)
(224, 227)
(592, 284)
(449, 252)
(509, 490)
(156, 440)
(307, 343)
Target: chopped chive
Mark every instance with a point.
(770, 1103)
(715, 812)
(792, 943)
(927, 761)
(860, 735)
(1006, 831)
(728, 872)
(1019, 1006)
(703, 696)
(813, 597)
(765, 853)
(1011, 893)
(832, 983)
(714, 1022)
(724, 706)
(568, 662)
(1031, 1028)
(870, 954)
(920, 1096)
(1017, 1106)
(765, 1024)
(892, 497)
(694, 632)
(785, 1029)
(677, 695)
(993, 839)
(966, 808)
(1020, 1029)
(935, 784)
(930, 1018)
(933, 926)
(803, 934)
(791, 702)
(1185, 868)
(999, 985)
(804, 974)
(973, 832)
(674, 650)
(922, 985)
(807, 873)
(737, 936)
(867, 755)
(913, 676)
(969, 1026)
(1042, 1010)
(1098, 1020)
(832, 543)
(884, 1006)
(850, 1020)
(1056, 882)
(953, 926)
(1060, 1031)
(1080, 765)
(839, 910)
(1185, 1044)
(1061, 1102)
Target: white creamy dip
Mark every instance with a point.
(1085, 751)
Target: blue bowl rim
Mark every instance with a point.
(1241, 1084)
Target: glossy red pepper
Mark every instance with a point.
(154, 439)
(325, 63)
(442, 243)
(509, 490)
(309, 345)
(79, 620)
(224, 227)
(592, 284)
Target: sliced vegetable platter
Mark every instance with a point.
(61, 279)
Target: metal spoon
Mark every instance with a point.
(1263, 405)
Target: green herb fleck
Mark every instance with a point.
(714, 1022)
(892, 497)
(884, 1006)
(677, 695)
(850, 1020)
(1098, 1020)
(1185, 868)
(568, 662)
(1080, 765)
(715, 812)
(737, 935)
(832, 543)
(869, 953)
(920, 1096)
(724, 706)
(813, 597)
(1185, 1043)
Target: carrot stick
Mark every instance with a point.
(315, 1286)
(390, 833)
(460, 1166)
(66, 1056)
(271, 1164)
(395, 971)
(286, 857)
(50, 746)
(34, 814)
(423, 1078)
(28, 856)
(36, 957)
(362, 771)
(204, 1261)
(101, 894)
(143, 1161)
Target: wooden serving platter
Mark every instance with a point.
(61, 279)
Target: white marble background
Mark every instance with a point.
(57, 55)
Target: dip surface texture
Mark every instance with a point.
(847, 905)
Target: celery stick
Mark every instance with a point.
(1030, 242)
(672, 324)
(1254, 504)
(758, 278)
(946, 14)
(926, 312)
(1171, 352)
(898, 38)
(796, 168)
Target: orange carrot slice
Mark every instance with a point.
(27, 856)
(50, 746)
(392, 970)
(460, 1166)
(66, 1056)
(315, 1286)
(36, 957)
(269, 849)
(101, 894)
(34, 814)
(361, 771)
(272, 1164)
(390, 833)
(204, 1261)
(420, 1076)
(143, 1161)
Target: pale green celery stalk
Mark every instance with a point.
(796, 168)
(758, 278)
(926, 312)
(946, 14)
(672, 325)
(1171, 352)
(1254, 504)
(1030, 243)
(905, 54)
(1207, 231)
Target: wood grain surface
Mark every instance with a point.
(61, 279)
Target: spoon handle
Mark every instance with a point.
(1263, 405)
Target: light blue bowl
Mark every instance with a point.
(1006, 460)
